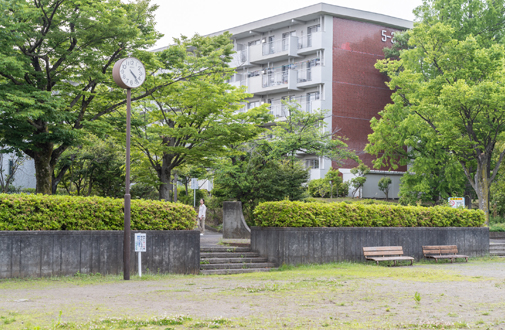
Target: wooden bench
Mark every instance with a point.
(442, 252)
(386, 253)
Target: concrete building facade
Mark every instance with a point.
(321, 57)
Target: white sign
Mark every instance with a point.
(194, 183)
(385, 37)
(456, 201)
(140, 242)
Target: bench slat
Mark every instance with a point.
(452, 256)
(382, 248)
(390, 258)
(383, 253)
(439, 246)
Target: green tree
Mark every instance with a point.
(448, 88)
(56, 59)
(8, 170)
(194, 120)
(323, 187)
(253, 177)
(359, 180)
(94, 168)
(384, 185)
(306, 133)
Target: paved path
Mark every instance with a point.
(213, 239)
(210, 239)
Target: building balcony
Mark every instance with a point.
(273, 82)
(280, 110)
(310, 106)
(240, 59)
(310, 43)
(238, 83)
(274, 51)
(309, 77)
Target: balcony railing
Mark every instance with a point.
(240, 58)
(281, 110)
(275, 79)
(275, 46)
(310, 42)
(277, 49)
(309, 76)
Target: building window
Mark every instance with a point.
(312, 163)
(310, 30)
(311, 97)
(285, 39)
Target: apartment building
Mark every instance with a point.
(322, 57)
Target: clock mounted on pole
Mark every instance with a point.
(128, 73)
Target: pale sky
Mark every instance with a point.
(187, 17)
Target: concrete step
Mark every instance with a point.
(233, 271)
(204, 261)
(238, 265)
(225, 249)
(228, 254)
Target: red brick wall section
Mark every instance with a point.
(359, 92)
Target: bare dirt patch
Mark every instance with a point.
(331, 296)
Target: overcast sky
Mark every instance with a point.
(188, 17)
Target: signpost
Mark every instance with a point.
(128, 73)
(456, 201)
(194, 186)
(140, 246)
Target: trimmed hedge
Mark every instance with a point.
(43, 212)
(299, 214)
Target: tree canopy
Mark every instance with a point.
(448, 92)
(198, 119)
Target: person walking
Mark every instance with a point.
(201, 216)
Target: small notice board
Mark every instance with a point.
(456, 201)
(140, 242)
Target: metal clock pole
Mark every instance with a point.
(125, 77)
(127, 197)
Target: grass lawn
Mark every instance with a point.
(330, 296)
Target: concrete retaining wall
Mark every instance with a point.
(60, 253)
(321, 245)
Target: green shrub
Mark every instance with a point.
(43, 212)
(299, 214)
(497, 227)
(497, 223)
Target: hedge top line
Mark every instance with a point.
(300, 214)
(60, 212)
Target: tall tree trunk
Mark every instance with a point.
(57, 178)
(166, 185)
(43, 169)
(482, 185)
(175, 187)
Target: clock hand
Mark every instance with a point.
(134, 76)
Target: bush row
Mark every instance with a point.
(299, 214)
(42, 212)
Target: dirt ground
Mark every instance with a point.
(448, 295)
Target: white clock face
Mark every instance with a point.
(133, 73)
